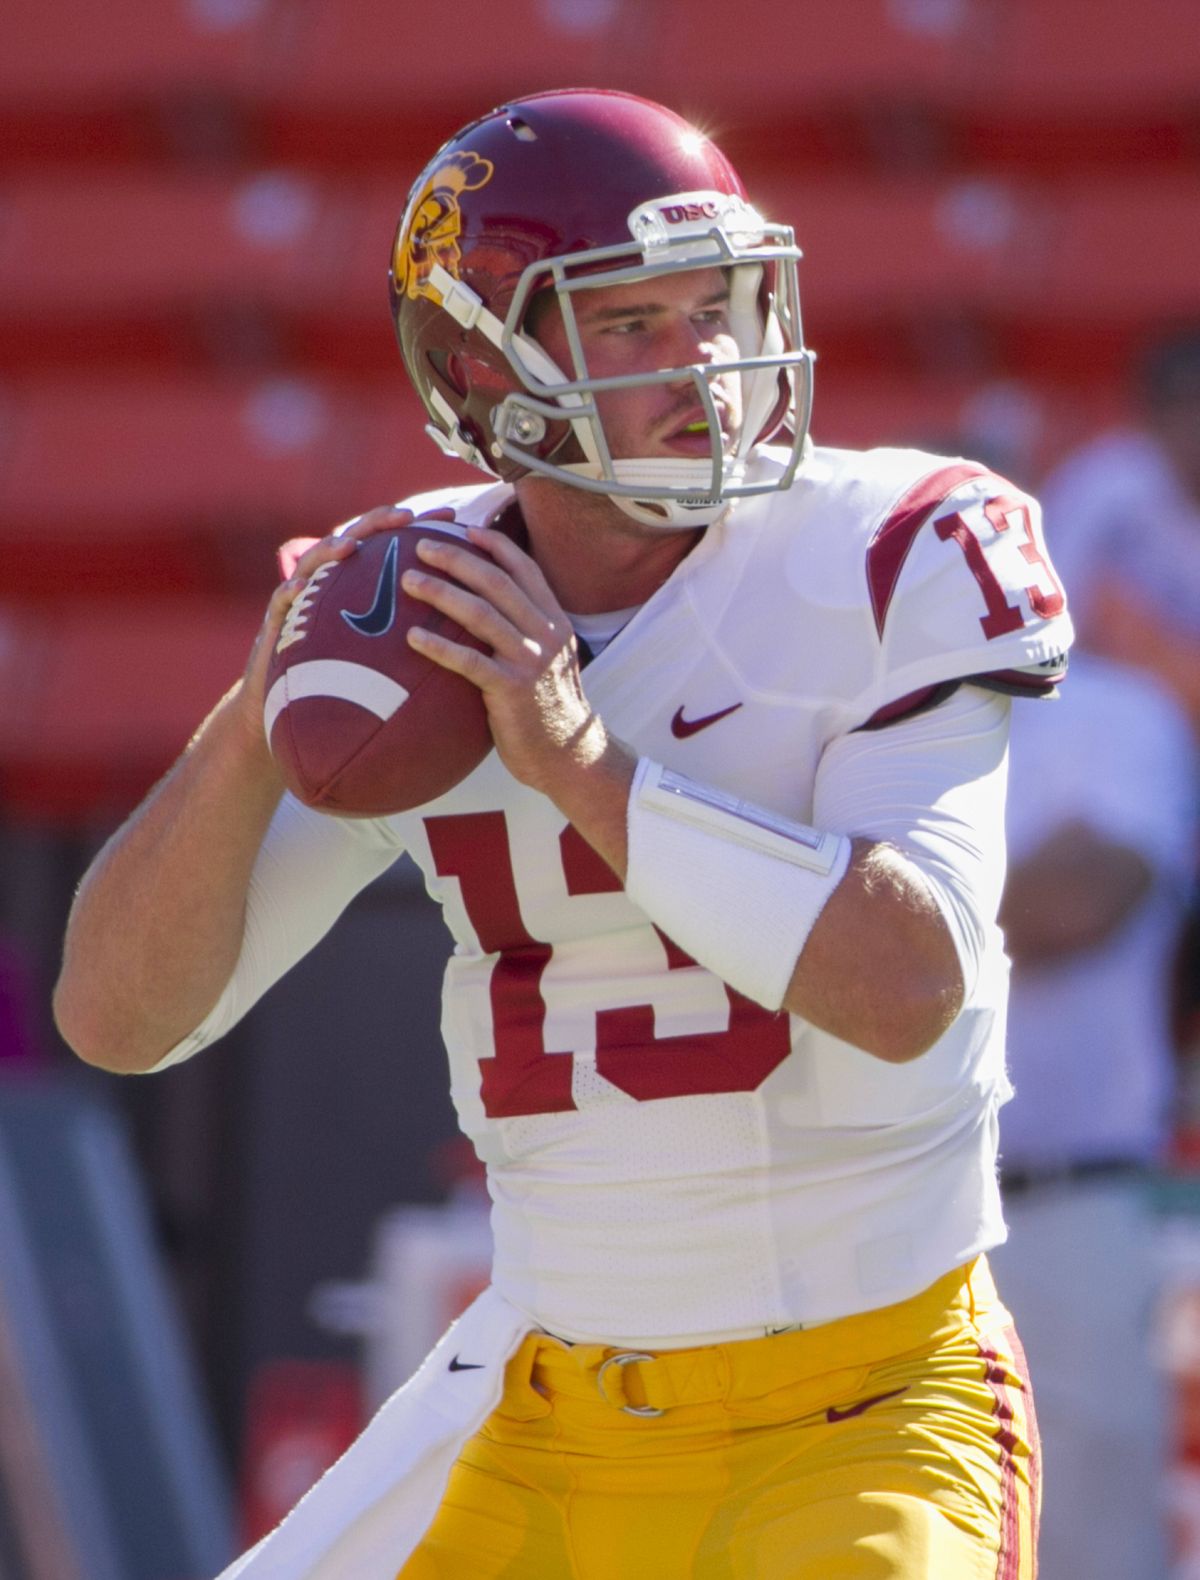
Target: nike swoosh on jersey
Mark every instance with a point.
(681, 728)
(378, 618)
(465, 1366)
(833, 1414)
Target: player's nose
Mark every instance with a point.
(696, 344)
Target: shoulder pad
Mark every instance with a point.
(1032, 680)
(960, 584)
(473, 503)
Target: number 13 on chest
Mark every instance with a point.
(521, 1076)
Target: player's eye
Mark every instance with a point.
(717, 315)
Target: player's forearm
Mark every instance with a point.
(879, 968)
(876, 939)
(157, 924)
(589, 781)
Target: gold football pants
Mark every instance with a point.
(896, 1445)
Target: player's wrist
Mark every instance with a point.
(234, 732)
(589, 780)
(601, 760)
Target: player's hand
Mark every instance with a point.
(539, 716)
(301, 558)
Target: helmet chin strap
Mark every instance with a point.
(670, 514)
(661, 472)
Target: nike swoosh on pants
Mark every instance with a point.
(833, 1414)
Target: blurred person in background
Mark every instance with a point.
(1125, 514)
(20, 1051)
(1102, 822)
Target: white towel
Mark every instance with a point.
(369, 1511)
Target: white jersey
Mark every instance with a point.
(669, 1162)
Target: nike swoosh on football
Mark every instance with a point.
(465, 1366)
(833, 1414)
(378, 618)
(681, 728)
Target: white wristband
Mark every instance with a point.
(734, 885)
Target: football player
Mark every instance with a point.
(725, 1014)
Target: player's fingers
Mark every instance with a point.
(322, 552)
(384, 518)
(468, 662)
(305, 556)
(494, 583)
(280, 602)
(283, 597)
(302, 556)
(475, 614)
(522, 567)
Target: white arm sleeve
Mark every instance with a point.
(933, 786)
(739, 888)
(310, 867)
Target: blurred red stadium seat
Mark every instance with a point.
(1096, 59)
(1090, 55)
(1122, 246)
(138, 486)
(355, 84)
(1093, 57)
(370, 51)
(229, 271)
(778, 59)
(111, 72)
(1018, 425)
(107, 262)
(133, 487)
(1108, 249)
(96, 700)
(318, 51)
(132, 49)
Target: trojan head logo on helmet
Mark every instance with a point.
(558, 193)
(432, 224)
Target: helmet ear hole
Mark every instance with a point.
(452, 371)
(542, 303)
(521, 129)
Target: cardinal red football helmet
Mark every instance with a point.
(563, 191)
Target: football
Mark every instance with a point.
(359, 722)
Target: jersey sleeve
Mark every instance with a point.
(933, 786)
(961, 587)
(310, 866)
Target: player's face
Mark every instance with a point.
(676, 320)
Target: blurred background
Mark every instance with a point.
(207, 1277)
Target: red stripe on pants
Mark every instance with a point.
(1009, 1564)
